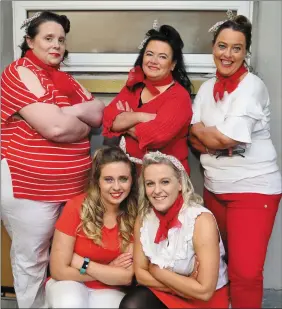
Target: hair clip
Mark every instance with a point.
(155, 27)
(27, 22)
(230, 16)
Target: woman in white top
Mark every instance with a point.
(242, 179)
(171, 230)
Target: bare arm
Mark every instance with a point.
(141, 264)
(206, 244)
(90, 112)
(211, 137)
(50, 122)
(196, 144)
(61, 257)
(107, 274)
(48, 119)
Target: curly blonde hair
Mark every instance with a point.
(93, 210)
(189, 196)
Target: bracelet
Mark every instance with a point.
(84, 266)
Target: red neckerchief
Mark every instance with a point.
(61, 80)
(228, 84)
(136, 75)
(168, 220)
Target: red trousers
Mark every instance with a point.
(245, 221)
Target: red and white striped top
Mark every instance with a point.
(40, 169)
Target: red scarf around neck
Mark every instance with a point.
(136, 75)
(168, 220)
(61, 80)
(228, 83)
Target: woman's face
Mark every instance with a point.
(161, 185)
(115, 183)
(49, 44)
(229, 51)
(157, 60)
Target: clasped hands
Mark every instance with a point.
(198, 145)
(124, 260)
(153, 269)
(142, 117)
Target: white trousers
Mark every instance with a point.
(30, 224)
(73, 294)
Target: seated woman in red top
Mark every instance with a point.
(91, 257)
(153, 111)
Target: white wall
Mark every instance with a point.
(267, 62)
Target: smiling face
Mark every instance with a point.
(229, 51)
(157, 60)
(115, 183)
(161, 185)
(49, 44)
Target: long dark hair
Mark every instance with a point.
(32, 28)
(171, 36)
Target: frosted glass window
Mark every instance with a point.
(105, 31)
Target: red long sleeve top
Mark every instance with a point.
(166, 133)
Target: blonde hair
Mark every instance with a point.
(93, 210)
(189, 196)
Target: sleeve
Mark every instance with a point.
(244, 112)
(111, 112)
(81, 90)
(173, 115)
(14, 93)
(70, 217)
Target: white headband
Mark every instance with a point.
(230, 16)
(151, 155)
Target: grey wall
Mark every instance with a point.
(6, 40)
(267, 54)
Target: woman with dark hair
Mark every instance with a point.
(91, 257)
(46, 120)
(153, 111)
(242, 179)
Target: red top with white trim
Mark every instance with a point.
(166, 133)
(40, 169)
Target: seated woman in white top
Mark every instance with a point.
(172, 229)
(242, 187)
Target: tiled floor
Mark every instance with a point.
(271, 299)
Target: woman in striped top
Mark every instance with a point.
(46, 120)
(153, 111)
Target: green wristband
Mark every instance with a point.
(84, 265)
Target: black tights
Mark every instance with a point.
(141, 297)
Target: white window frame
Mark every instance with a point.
(115, 62)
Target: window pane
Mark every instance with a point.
(122, 31)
